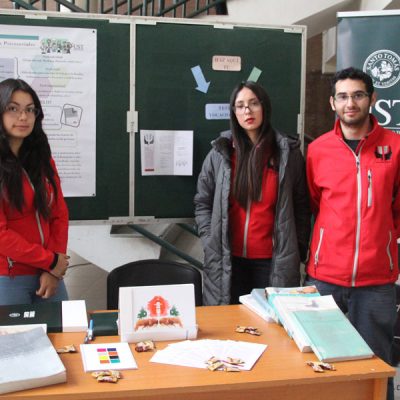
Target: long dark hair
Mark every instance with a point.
(34, 155)
(251, 159)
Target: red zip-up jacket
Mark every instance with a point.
(356, 203)
(251, 229)
(28, 242)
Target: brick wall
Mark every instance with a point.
(319, 117)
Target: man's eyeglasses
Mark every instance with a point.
(344, 97)
(16, 112)
(253, 106)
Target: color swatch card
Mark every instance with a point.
(102, 356)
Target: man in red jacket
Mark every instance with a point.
(353, 175)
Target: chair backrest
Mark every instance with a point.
(152, 272)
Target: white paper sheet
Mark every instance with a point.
(166, 152)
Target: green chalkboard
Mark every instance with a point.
(112, 103)
(144, 68)
(167, 99)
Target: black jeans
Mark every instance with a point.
(248, 274)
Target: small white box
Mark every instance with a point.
(74, 316)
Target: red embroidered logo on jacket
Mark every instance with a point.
(383, 153)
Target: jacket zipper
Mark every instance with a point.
(388, 251)
(10, 264)
(321, 235)
(37, 212)
(246, 229)
(358, 225)
(369, 188)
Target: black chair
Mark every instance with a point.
(152, 272)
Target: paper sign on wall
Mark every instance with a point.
(226, 63)
(166, 152)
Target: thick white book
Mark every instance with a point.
(28, 360)
(252, 304)
(331, 335)
(287, 305)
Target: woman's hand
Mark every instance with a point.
(48, 285)
(61, 267)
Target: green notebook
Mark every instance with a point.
(332, 336)
(105, 323)
(49, 313)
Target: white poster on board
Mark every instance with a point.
(166, 152)
(60, 65)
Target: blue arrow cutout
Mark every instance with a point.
(202, 85)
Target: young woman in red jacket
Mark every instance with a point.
(33, 213)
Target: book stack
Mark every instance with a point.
(317, 324)
(286, 300)
(29, 360)
(257, 302)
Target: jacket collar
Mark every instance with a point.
(224, 143)
(371, 137)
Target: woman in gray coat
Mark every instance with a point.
(251, 204)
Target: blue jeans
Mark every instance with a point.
(372, 311)
(22, 290)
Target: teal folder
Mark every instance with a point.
(49, 313)
(332, 336)
(105, 323)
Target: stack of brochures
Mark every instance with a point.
(196, 353)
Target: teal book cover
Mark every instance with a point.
(332, 336)
(49, 313)
(272, 292)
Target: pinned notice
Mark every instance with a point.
(226, 63)
(217, 111)
(166, 152)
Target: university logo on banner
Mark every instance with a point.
(384, 68)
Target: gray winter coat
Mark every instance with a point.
(292, 218)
